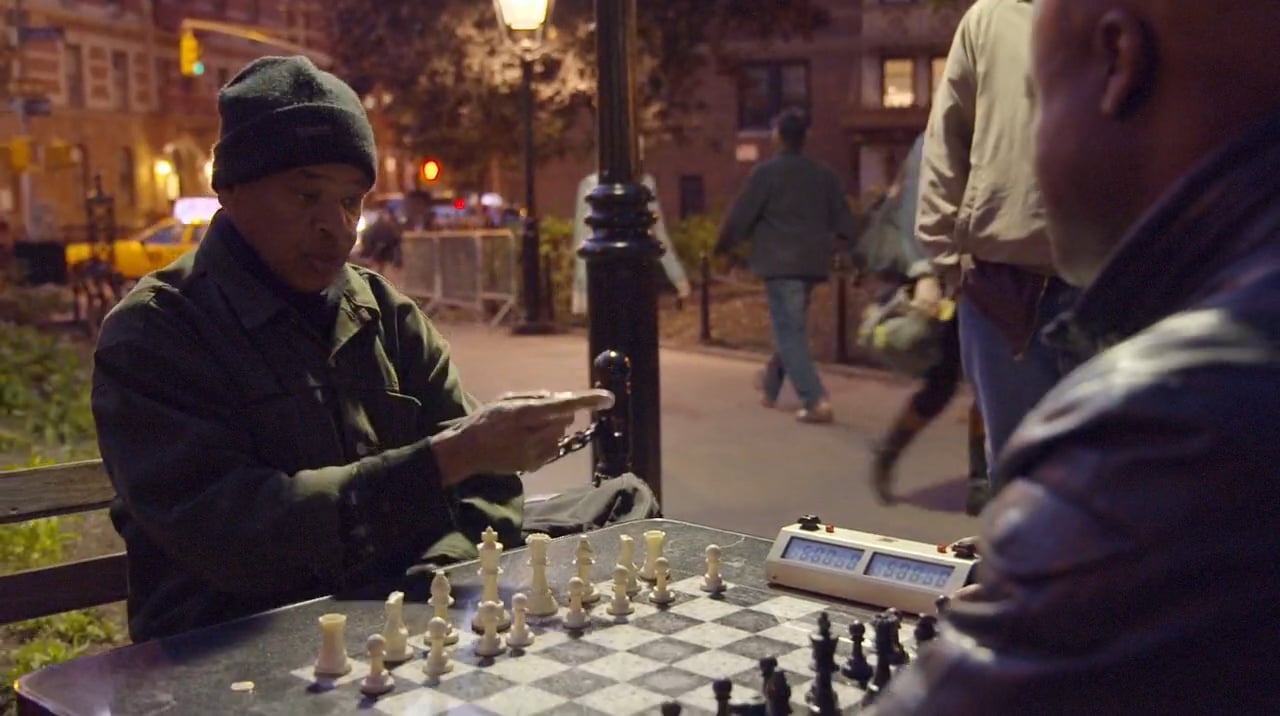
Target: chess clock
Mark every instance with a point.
(864, 567)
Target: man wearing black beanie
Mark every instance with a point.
(279, 424)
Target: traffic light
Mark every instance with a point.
(189, 55)
(19, 154)
(429, 171)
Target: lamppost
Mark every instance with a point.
(525, 22)
(622, 298)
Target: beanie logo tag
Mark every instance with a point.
(315, 131)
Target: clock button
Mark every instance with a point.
(831, 528)
(809, 523)
(965, 550)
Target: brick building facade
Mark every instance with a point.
(119, 100)
(866, 79)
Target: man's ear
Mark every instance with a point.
(1122, 41)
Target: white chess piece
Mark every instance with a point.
(440, 602)
(621, 604)
(626, 558)
(711, 581)
(576, 617)
(519, 637)
(586, 558)
(653, 551)
(379, 680)
(437, 658)
(490, 553)
(542, 602)
(394, 632)
(333, 646)
(660, 594)
(490, 644)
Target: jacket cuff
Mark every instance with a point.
(394, 506)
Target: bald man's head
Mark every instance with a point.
(1132, 94)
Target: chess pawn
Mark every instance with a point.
(627, 558)
(621, 604)
(576, 617)
(440, 603)
(437, 658)
(857, 667)
(711, 581)
(519, 637)
(660, 594)
(490, 644)
(333, 647)
(396, 633)
(379, 680)
(653, 551)
(542, 601)
(586, 558)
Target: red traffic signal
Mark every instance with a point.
(430, 171)
(459, 203)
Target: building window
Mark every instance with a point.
(693, 196)
(73, 58)
(120, 79)
(126, 182)
(898, 82)
(938, 68)
(767, 88)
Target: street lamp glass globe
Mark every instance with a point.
(523, 15)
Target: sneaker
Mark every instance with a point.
(818, 413)
(979, 495)
(882, 475)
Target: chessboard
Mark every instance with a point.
(682, 652)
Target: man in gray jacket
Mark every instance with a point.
(980, 206)
(790, 212)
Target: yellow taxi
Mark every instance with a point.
(151, 249)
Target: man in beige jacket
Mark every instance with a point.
(980, 209)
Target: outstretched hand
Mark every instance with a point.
(520, 432)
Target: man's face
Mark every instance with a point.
(301, 222)
(1088, 144)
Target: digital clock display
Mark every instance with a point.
(909, 571)
(823, 554)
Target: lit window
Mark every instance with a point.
(899, 83)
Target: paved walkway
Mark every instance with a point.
(732, 464)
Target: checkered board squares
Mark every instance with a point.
(617, 665)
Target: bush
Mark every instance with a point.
(44, 418)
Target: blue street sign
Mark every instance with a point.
(37, 106)
(40, 34)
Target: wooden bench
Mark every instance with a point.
(65, 489)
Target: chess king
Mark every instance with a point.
(279, 424)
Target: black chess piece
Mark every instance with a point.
(778, 694)
(942, 603)
(768, 665)
(671, 708)
(822, 696)
(885, 633)
(926, 629)
(857, 667)
(723, 689)
(897, 652)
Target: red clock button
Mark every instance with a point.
(831, 528)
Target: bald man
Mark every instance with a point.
(1132, 565)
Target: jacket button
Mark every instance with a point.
(362, 450)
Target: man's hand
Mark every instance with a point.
(927, 295)
(518, 433)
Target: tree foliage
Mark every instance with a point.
(449, 85)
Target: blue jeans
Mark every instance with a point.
(789, 316)
(1007, 386)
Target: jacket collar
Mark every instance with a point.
(1172, 256)
(255, 303)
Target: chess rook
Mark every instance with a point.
(542, 601)
(333, 646)
(653, 551)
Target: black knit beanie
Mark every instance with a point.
(281, 113)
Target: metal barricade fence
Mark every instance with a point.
(471, 269)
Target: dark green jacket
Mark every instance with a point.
(257, 464)
(790, 212)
